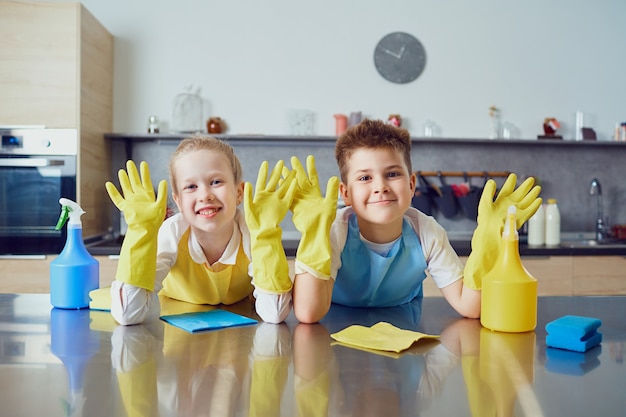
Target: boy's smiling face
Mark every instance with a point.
(379, 188)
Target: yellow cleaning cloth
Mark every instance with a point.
(381, 336)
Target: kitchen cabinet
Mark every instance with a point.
(57, 72)
(569, 275)
(553, 274)
(599, 275)
(21, 276)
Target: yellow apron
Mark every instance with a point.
(199, 284)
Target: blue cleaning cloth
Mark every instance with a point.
(207, 320)
(575, 333)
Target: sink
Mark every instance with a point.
(587, 243)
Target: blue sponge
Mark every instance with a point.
(574, 333)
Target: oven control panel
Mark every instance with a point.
(39, 142)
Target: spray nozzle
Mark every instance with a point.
(510, 229)
(69, 210)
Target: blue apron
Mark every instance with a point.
(367, 279)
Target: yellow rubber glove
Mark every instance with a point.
(313, 215)
(144, 215)
(492, 214)
(263, 215)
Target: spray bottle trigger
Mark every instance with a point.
(65, 214)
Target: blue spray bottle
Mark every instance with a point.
(74, 273)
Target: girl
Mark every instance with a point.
(200, 255)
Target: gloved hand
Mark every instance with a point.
(144, 215)
(492, 215)
(100, 299)
(263, 215)
(313, 216)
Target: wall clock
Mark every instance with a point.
(399, 57)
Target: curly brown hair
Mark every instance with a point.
(372, 134)
(200, 142)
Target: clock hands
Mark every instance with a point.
(401, 52)
(396, 55)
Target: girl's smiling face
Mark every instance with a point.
(379, 188)
(206, 193)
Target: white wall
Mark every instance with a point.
(255, 59)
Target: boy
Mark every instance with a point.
(381, 247)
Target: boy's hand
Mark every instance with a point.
(263, 213)
(313, 216)
(144, 215)
(491, 219)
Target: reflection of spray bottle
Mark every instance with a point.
(507, 363)
(499, 373)
(509, 292)
(74, 273)
(72, 341)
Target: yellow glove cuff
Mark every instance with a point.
(481, 259)
(269, 262)
(137, 263)
(314, 251)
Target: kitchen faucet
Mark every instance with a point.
(596, 189)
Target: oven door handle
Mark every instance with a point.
(30, 162)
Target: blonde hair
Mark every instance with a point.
(203, 142)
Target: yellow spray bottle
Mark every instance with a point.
(509, 292)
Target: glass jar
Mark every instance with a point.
(187, 115)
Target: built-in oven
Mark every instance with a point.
(37, 168)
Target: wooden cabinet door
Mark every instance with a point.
(23, 276)
(39, 51)
(599, 275)
(553, 274)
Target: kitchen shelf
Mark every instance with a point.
(140, 137)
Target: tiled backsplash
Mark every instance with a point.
(564, 168)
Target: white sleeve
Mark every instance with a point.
(338, 236)
(272, 308)
(133, 305)
(443, 263)
(170, 233)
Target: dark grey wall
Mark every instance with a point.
(564, 168)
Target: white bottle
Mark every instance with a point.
(553, 223)
(537, 228)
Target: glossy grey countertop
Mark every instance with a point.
(80, 363)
